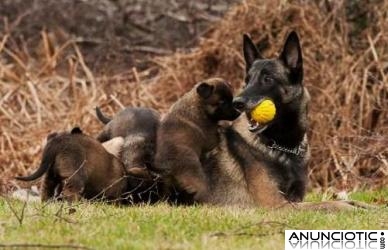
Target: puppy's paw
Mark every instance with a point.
(142, 173)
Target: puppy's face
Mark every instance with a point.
(217, 97)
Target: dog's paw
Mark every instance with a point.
(142, 173)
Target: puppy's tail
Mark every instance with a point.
(47, 162)
(104, 119)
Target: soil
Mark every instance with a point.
(113, 35)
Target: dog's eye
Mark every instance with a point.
(268, 80)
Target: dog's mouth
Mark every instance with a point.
(254, 126)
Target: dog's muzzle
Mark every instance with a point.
(240, 103)
(243, 104)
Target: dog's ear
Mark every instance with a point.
(205, 90)
(292, 57)
(51, 135)
(251, 53)
(76, 130)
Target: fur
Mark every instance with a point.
(76, 166)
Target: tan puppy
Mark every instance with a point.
(189, 131)
(75, 165)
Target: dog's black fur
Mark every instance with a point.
(247, 168)
(281, 80)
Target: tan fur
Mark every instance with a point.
(262, 188)
(252, 186)
(77, 166)
(233, 185)
(187, 132)
(228, 187)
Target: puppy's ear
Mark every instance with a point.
(251, 53)
(76, 130)
(291, 56)
(52, 135)
(205, 90)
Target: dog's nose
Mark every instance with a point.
(239, 103)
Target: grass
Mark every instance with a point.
(101, 226)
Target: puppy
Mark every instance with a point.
(75, 165)
(190, 130)
(138, 128)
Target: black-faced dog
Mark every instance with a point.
(265, 164)
(75, 165)
(190, 130)
(282, 141)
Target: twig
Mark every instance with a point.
(3, 42)
(240, 231)
(38, 103)
(148, 49)
(57, 52)
(142, 27)
(19, 19)
(117, 101)
(20, 217)
(10, 144)
(87, 72)
(107, 188)
(75, 172)
(10, 117)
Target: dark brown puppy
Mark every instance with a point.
(138, 128)
(189, 130)
(75, 165)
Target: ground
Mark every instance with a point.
(101, 226)
(112, 35)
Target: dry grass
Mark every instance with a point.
(345, 70)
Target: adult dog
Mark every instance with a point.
(264, 165)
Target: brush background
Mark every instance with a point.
(59, 59)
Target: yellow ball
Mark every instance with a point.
(264, 112)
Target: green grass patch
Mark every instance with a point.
(101, 226)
